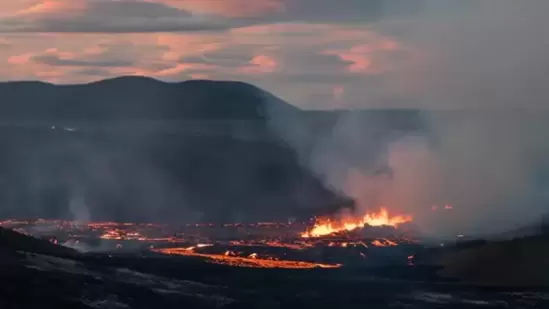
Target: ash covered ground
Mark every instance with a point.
(125, 266)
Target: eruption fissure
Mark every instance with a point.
(382, 218)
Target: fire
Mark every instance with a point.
(381, 218)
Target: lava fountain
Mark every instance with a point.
(382, 218)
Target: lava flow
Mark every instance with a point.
(381, 218)
(252, 260)
(254, 245)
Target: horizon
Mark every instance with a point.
(307, 109)
(381, 54)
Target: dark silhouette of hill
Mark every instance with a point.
(517, 262)
(134, 148)
(11, 241)
(127, 98)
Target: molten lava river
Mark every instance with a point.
(328, 243)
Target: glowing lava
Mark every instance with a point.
(381, 218)
(251, 261)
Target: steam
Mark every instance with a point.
(480, 140)
(78, 208)
(488, 166)
(471, 54)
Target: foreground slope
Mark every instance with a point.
(34, 278)
(11, 241)
(511, 263)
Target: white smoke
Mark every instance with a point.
(487, 156)
(78, 209)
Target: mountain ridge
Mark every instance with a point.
(129, 97)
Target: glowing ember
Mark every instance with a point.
(381, 218)
(257, 245)
(384, 243)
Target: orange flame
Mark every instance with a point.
(380, 218)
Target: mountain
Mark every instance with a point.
(132, 98)
(135, 148)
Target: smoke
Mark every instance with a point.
(486, 61)
(79, 210)
(491, 167)
(478, 74)
(471, 54)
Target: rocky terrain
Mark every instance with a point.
(511, 263)
(38, 274)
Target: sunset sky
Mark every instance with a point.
(312, 53)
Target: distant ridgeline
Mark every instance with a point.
(138, 149)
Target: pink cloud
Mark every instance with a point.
(82, 58)
(8, 8)
(283, 28)
(367, 58)
(200, 76)
(50, 7)
(227, 8)
(20, 59)
(4, 43)
(178, 69)
(188, 45)
(338, 92)
(261, 64)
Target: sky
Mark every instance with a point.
(312, 53)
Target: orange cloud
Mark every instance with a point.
(188, 45)
(55, 7)
(4, 42)
(360, 63)
(178, 69)
(261, 64)
(367, 58)
(227, 8)
(20, 59)
(200, 76)
(285, 28)
(8, 8)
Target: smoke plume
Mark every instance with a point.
(480, 145)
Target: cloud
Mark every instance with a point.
(365, 58)
(93, 72)
(261, 64)
(118, 16)
(227, 57)
(291, 59)
(53, 58)
(108, 16)
(347, 11)
(228, 8)
(4, 43)
(104, 58)
(482, 54)
(118, 53)
(300, 10)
